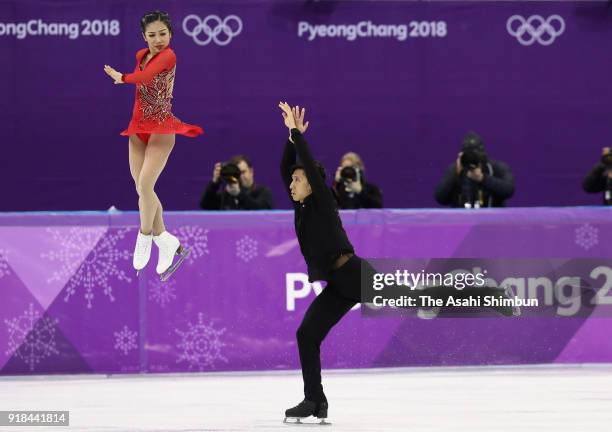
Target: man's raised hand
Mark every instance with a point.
(299, 119)
(287, 115)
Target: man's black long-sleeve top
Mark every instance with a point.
(254, 198)
(370, 196)
(497, 186)
(317, 222)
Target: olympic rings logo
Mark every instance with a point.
(535, 28)
(212, 28)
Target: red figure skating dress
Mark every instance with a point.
(153, 107)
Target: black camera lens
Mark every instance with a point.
(348, 173)
(230, 173)
(472, 158)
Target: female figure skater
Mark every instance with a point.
(151, 135)
(329, 256)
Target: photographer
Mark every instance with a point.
(599, 179)
(350, 188)
(239, 191)
(474, 181)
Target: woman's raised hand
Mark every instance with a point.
(116, 76)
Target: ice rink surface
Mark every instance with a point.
(538, 398)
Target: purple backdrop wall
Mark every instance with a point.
(71, 302)
(403, 104)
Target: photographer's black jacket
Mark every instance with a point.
(370, 196)
(497, 185)
(317, 222)
(256, 198)
(596, 180)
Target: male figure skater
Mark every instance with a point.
(329, 256)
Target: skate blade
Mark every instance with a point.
(306, 421)
(182, 254)
(516, 310)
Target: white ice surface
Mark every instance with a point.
(540, 398)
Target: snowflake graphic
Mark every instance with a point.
(5, 270)
(201, 345)
(85, 268)
(587, 236)
(246, 248)
(125, 340)
(160, 292)
(31, 338)
(195, 239)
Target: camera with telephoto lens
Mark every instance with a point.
(349, 173)
(230, 173)
(473, 158)
(607, 160)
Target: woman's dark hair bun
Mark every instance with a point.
(154, 16)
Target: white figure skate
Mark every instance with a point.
(169, 246)
(142, 251)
